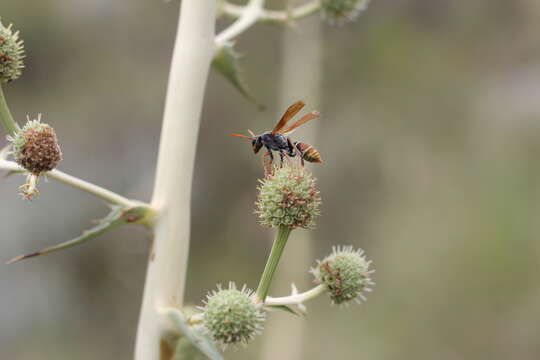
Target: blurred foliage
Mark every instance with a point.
(430, 134)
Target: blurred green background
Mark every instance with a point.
(430, 132)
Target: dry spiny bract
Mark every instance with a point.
(342, 10)
(345, 273)
(288, 197)
(35, 147)
(11, 54)
(232, 316)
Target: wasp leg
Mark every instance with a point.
(267, 166)
(281, 157)
(291, 151)
(288, 157)
(300, 154)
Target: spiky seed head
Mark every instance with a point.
(345, 273)
(288, 197)
(11, 54)
(338, 11)
(232, 316)
(35, 147)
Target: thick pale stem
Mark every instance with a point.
(165, 279)
(9, 125)
(282, 236)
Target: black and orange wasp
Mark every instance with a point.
(278, 139)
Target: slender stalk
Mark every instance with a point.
(166, 273)
(271, 301)
(299, 75)
(107, 195)
(297, 298)
(299, 12)
(9, 125)
(282, 236)
(250, 15)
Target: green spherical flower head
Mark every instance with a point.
(288, 197)
(35, 147)
(231, 316)
(342, 10)
(11, 54)
(345, 273)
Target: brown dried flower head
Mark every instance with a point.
(36, 148)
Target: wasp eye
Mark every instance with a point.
(256, 144)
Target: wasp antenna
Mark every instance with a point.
(242, 136)
(251, 133)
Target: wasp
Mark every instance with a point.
(278, 139)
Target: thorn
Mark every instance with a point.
(23, 257)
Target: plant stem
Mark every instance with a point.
(250, 15)
(270, 301)
(298, 298)
(299, 12)
(107, 195)
(282, 236)
(9, 125)
(166, 273)
(299, 75)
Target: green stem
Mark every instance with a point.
(275, 254)
(9, 125)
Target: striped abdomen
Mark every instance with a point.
(309, 153)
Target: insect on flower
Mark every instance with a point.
(278, 139)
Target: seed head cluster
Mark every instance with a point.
(35, 147)
(345, 273)
(11, 54)
(342, 10)
(232, 316)
(288, 197)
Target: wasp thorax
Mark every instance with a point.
(288, 197)
(232, 316)
(35, 147)
(11, 54)
(345, 273)
(342, 10)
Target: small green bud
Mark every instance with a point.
(288, 197)
(35, 147)
(11, 54)
(345, 273)
(342, 10)
(232, 316)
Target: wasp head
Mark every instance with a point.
(256, 144)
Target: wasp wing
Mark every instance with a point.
(289, 113)
(304, 119)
